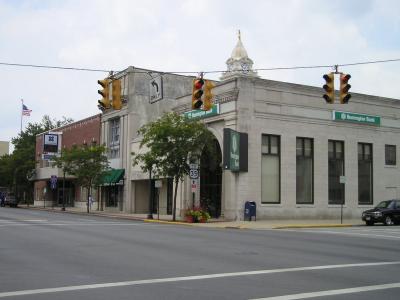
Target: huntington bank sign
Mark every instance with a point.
(235, 150)
(356, 118)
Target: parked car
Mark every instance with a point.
(11, 200)
(386, 212)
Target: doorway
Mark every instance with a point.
(211, 179)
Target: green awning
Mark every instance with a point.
(113, 176)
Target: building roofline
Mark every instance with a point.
(58, 129)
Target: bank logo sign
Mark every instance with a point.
(343, 116)
(235, 150)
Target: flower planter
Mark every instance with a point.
(189, 219)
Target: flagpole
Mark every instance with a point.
(22, 108)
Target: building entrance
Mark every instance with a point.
(211, 179)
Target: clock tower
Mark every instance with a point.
(239, 64)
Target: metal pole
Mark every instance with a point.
(158, 204)
(22, 108)
(150, 214)
(341, 213)
(63, 203)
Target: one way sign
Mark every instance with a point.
(156, 89)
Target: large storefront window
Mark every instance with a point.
(113, 195)
(270, 169)
(335, 170)
(304, 171)
(365, 173)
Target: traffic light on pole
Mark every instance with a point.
(344, 96)
(197, 92)
(116, 94)
(208, 95)
(105, 101)
(329, 87)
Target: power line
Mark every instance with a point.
(197, 72)
(52, 67)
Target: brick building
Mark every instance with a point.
(77, 133)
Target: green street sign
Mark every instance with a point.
(201, 114)
(343, 116)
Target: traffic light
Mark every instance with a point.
(329, 87)
(105, 102)
(116, 94)
(344, 88)
(198, 84)
(208, 96)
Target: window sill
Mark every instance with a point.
(271, 205)
(304, 205)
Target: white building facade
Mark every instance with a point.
(299, 157)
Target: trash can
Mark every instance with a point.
(250, 210)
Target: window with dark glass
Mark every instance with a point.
(304, 171)
(114, 141)
(335, 170)
(270, 169)
(365, 173)
(390, 155)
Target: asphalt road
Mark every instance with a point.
(47, 255)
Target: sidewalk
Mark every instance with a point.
(213, 223)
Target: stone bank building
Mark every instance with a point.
(299, 156)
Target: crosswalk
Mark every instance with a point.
(376, 232)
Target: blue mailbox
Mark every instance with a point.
(250, 208)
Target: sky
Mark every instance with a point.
(184, 36)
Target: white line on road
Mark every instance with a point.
(43, 225)
(187, 278)
(335, 292)
(368, 235)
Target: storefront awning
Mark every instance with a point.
(113, 176)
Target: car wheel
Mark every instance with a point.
(388, 221)
(369, 223)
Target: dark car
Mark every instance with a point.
(11, 200)
(386, 212)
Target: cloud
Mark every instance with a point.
(184, 36)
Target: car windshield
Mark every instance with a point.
(384, 204)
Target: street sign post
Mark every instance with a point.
(194, 176)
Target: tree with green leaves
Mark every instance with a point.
(88, 163)
(172, 142)
(15, 168)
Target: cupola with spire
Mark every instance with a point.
(239, 64)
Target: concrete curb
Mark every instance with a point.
(167, 222)
(218, 225)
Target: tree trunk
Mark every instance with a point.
(174, 204)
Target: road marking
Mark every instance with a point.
(75, 224)
(187, 278)
(334, 292)
(368, 235)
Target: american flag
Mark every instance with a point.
(25, 110)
